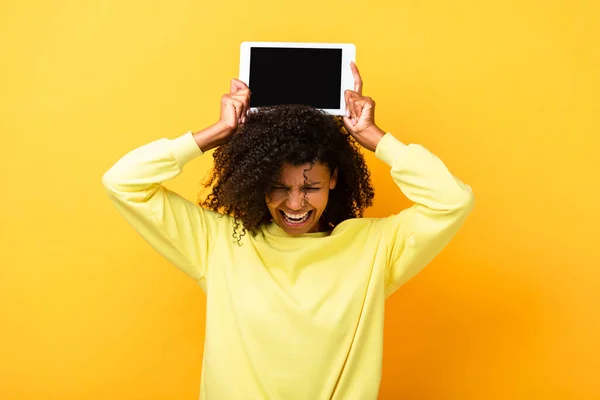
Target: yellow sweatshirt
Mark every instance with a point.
(292, 317)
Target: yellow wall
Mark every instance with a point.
(505, 92)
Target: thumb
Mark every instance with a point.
(366, 109)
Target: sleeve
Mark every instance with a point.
(442, 203)
(178, 229)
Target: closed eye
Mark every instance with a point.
(308, 189)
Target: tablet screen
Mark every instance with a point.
(295, 76)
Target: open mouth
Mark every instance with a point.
(295, 220)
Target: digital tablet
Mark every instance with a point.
(315, 74)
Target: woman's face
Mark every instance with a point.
(296, 204)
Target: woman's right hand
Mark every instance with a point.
(235, 106)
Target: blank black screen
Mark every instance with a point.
(295, 76)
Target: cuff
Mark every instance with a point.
(184, 148)
(389, 148)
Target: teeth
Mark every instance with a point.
(295, 218)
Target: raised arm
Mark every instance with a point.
(442, 202)
(180, 230)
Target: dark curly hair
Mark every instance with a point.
(247, 167)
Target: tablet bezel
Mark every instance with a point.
(348, 55)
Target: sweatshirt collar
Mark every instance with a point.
(276, 230)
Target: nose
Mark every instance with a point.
(295, 200)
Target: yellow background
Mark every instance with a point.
(504, 91)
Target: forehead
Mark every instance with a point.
(293, 175)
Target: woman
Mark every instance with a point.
(295, 279)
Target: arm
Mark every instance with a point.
(177, 228)
(416, 235)
(442, 203)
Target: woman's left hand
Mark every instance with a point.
(360, 115)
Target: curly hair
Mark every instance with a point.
(247, 167)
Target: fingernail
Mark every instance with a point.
(348, 113)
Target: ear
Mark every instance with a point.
(333, 179)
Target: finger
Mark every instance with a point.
(237, 85)
(366, 105)
(354, 108)
(244, 97)
(233, 86)
(239, 111)
(230, 100)
(233, 105)
(350, 96)
(346, 97)
(358, 83)
(358, 106)
(245, 109)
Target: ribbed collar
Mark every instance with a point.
(275, 230)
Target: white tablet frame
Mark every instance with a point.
(348, 55)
